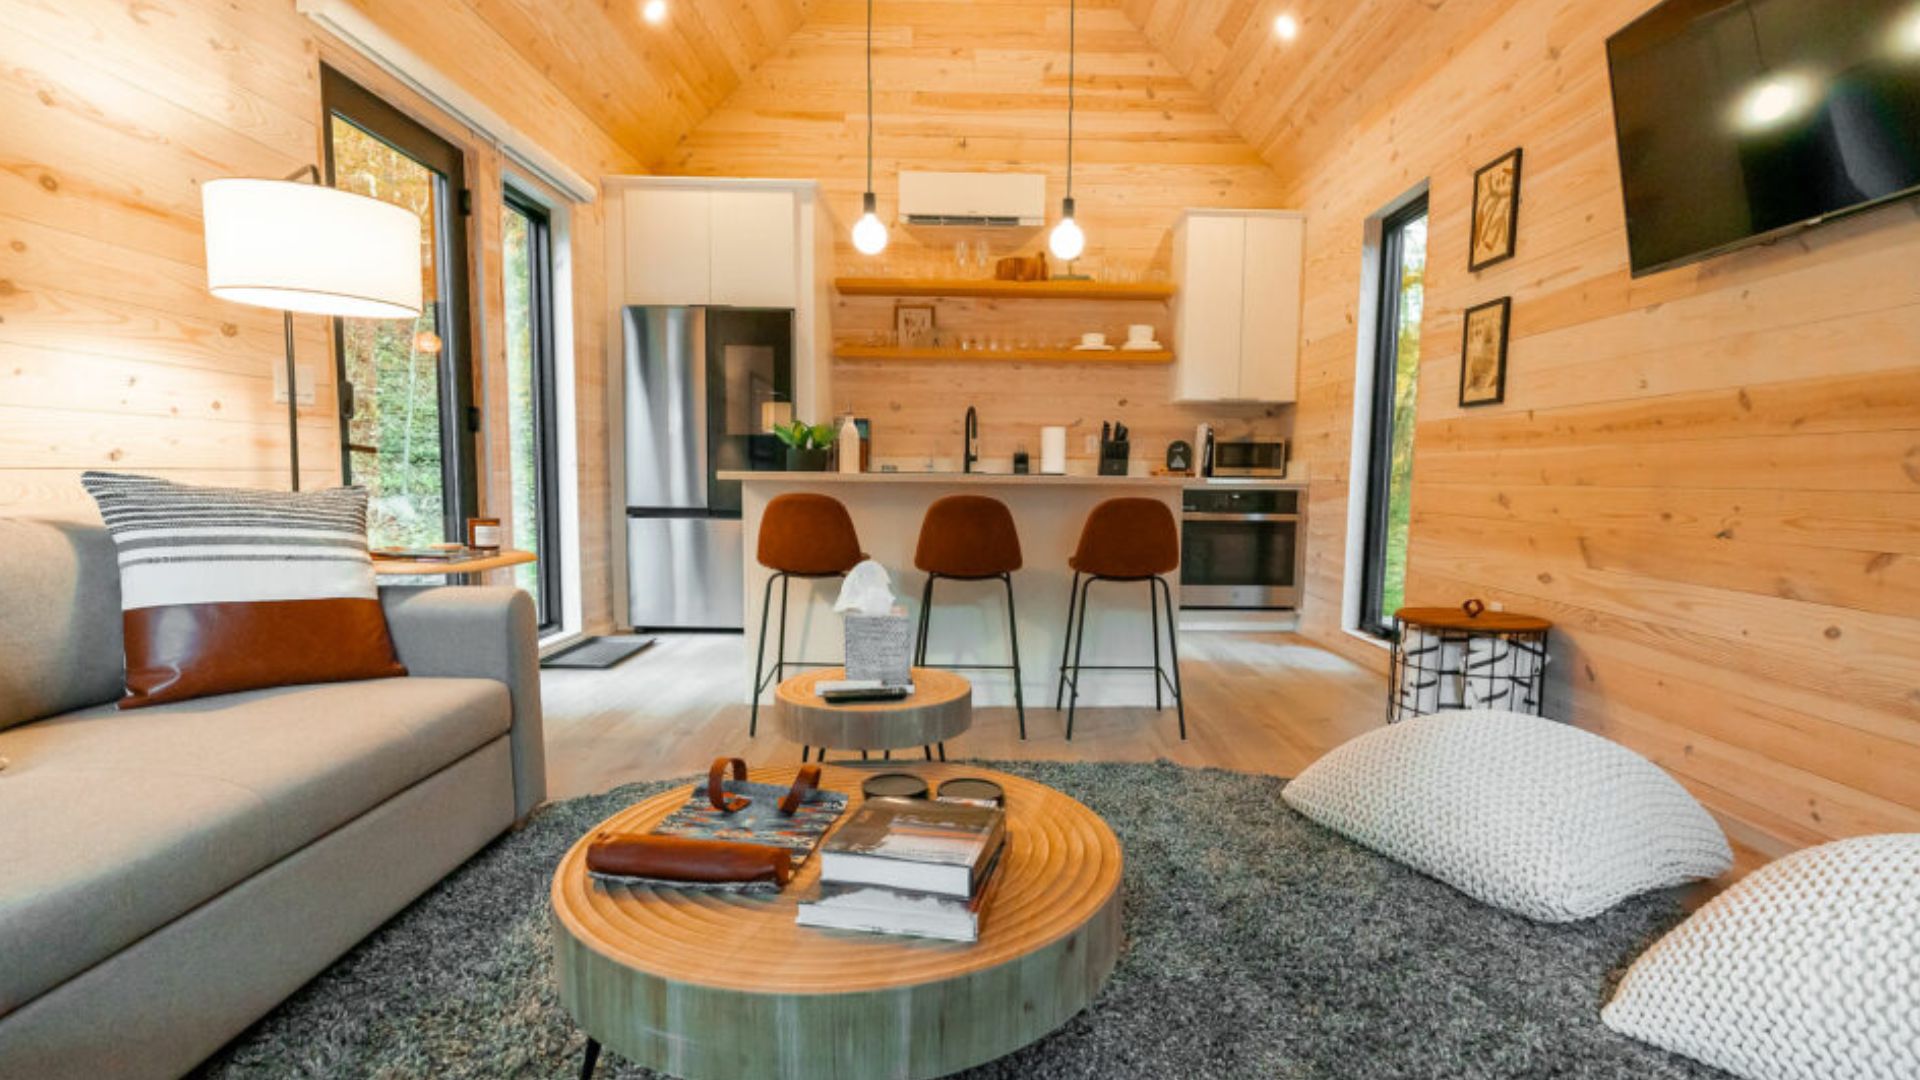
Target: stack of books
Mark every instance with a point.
(908, 866)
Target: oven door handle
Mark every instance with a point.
(1254, 518)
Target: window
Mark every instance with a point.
(1396, 384)
(532, 452)
(406, 389)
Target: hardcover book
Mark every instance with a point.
(880, 910)
(914, 844)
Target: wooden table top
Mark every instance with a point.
(1061, 869)
(1487, 622)
(932, 687)
(471, 565)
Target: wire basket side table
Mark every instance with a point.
(1466, 658)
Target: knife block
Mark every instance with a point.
(1113, 457)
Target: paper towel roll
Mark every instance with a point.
(1053, 451)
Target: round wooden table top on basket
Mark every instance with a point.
(940, 707)
(706, 985)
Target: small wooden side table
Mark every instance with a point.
(462, 571)
(940, 707)
(1466, 657)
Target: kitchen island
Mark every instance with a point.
(969, 619)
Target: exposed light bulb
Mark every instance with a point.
(1067, 241)
(1286, 27)
(1906, 34)
(654, 11)
(1775, 100)
(869, 233)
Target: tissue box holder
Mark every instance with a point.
(880, 647)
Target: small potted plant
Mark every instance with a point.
(809, 446)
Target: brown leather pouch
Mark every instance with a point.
(680, 858)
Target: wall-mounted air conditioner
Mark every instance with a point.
(1004, 200)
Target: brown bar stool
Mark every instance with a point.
(801, 536)
(970, 538)
(1124, 540)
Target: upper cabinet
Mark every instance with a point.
(1237, 309)
(703, 244)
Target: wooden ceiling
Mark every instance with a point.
(649, 86)
(646, 85)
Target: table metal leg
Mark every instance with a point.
(592, 1059)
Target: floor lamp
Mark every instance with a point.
(304, 247)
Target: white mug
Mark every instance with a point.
(1140, 334)
(1092, 340)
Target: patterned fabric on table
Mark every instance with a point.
(1523, 813)
(226, 589)
(1808, 969)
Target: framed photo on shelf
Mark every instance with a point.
(1496, 211)
(913, 325)
(1483, 353)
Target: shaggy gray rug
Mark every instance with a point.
(1258, 945)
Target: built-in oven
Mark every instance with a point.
(1242, 547)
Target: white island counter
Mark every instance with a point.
(969, 618)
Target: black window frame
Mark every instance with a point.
(342, 99)
(545, 378)
(1386, 363)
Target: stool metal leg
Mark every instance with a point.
(1153, 618)
(926, 620)
(1013, 642)
(780, 658)
(760, 659)
(1173, 645)
(1079, 644)
(1073, 596)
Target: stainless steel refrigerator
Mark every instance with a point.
(703, 387)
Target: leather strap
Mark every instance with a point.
(716, 785)
(803, 785)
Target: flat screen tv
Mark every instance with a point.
(1741, 120)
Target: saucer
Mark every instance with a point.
(1093, 348)
(1143, 346)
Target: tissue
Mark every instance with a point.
(868, 590)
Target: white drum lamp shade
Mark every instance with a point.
(304, 247)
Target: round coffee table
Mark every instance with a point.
(714, 986)
(940, 707)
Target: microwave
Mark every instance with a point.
(1250, 459)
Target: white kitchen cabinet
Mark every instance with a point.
(669, 245)
(1237, 309)
(755, 249)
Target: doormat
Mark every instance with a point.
(596, 653)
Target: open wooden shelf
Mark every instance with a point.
(1005, 290)
(1004, 356)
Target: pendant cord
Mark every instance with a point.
(1071, 11)
(869, 95)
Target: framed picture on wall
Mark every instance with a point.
(1483, 353)
(1496, 211)
(913, 325)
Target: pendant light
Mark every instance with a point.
(1067, 241)
(869, 233)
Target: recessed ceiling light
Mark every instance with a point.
(654, 11)
(1906, 34)
(1286, 27)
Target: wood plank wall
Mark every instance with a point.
(112, 354)
(1709, 478)
(970, 86)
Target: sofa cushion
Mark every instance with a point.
(1526, 814)
(116, 823)
(226, 589)
(59, 619)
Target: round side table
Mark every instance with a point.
(940, 707)
(1466, 657)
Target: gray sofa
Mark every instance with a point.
(169, 874)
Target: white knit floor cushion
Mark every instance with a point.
(1523, 813)
(1809, 969)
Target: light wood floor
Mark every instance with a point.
(1267, 703)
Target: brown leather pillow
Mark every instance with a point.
(230, 589)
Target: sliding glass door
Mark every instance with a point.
(526, 242)
(406, 391)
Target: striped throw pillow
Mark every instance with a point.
(229, 589)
